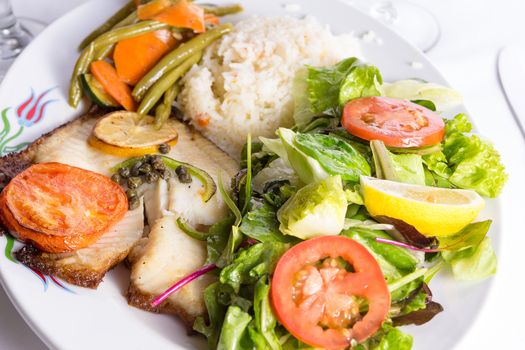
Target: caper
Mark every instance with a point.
(183, 175)
(145, 168)
(133, 203)
(134, 182)
(156, 158)
(147, 158)
(164, 148)
(135, 168)
(152, 177)
(131, 193)
(165, 174)
(117, 179)
(124, 172)
(158, 165)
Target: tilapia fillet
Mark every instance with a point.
(167, 254)
(68, 144)
(158, 259)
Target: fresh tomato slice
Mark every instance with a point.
(317, 298)
(398, 123)
(61, 208)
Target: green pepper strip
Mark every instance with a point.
(207, 181)
(163, 84)
(190, 231)
(163, 110)
(177, 57)
(109, 38)
(110, 23)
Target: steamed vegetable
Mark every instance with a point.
(177, 57)
(106, 74)
(134, 57)
(317, 209)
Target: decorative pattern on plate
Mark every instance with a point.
(28, 113)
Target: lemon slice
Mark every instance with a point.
(130, 130)
(432, 211)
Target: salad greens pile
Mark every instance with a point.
(306, 183)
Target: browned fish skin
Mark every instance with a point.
(143, 301)
(52, 264)
(49, 265)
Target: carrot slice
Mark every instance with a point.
(107, 76)
(212, 19)
(61, 208)
(152, 9)
(134, 57)
(184, 15)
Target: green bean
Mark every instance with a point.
(104, 52)
(154, 94)
(109, 38)
(82, 65)
(222, 10)
(117, 17)
(163, 110)
(129, 31)
(176, 57)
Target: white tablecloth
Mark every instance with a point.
(473, 31)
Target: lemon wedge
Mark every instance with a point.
(432, 211)
(128, 134)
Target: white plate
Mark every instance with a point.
(33, 97)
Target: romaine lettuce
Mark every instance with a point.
(316, 209)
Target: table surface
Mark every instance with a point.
(473, 32)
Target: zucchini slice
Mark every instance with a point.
(96, 92)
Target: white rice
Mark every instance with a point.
(243, 84)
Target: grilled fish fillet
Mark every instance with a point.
(86, 267)
(168, 254)
(165, 246)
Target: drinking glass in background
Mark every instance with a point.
(15, 35)
(412, 21)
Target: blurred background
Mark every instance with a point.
(463, 38)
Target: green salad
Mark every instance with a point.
(339, 224)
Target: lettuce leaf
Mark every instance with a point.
(406, 168)
(336, 156)
(474, 263)
(331, 87)
(467, 161)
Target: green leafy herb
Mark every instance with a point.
(252, 263)
(261, 224)
(470, 236)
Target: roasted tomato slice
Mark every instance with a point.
(398, 123)
(61, 208)
(319, 287)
